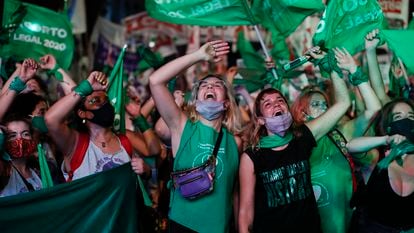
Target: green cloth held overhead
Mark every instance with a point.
(40, 31)
(401, 43)
(284, 16)
(201, 12)
(345, 24)
(100, 203)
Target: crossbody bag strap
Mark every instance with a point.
(339, 140)
(29, 186)
(217, 146)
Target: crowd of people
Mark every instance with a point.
(217, 158)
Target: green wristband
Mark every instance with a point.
(329, 64)
(1, 141)
(141, 123)
(17, 85)
(358, 77)
(56, 73)
(83, 89)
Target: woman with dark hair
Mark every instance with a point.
(389, 193)
(17, 173)
(275, 184)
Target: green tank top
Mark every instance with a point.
(212, 212)
(332, 184)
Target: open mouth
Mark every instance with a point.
(278, 113)
(209, 96)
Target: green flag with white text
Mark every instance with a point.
(345, 23)
(284, 15)
(36, 32)
(200, 12)
(116, 92)
(401, 43)
(101, 203)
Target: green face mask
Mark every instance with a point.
(39, 124)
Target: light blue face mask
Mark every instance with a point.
(210, 110)
(279, 124)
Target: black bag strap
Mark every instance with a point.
(28, 185)
(216, 147)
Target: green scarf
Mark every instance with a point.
(396, 154)
(275, 140)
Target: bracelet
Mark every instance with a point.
(329, 64)
(141, 123)
(358, 77)
(17, 85)
(56, 73)
(83, 89)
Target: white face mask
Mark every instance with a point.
(210, 110)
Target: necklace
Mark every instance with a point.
(104, 144)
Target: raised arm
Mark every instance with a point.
(55, 117)
(164, 101)
(48, 62)
(16, 83)
(371, 43)
(356, 127)
(321, 125)
(144, 139)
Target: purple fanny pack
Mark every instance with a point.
(195, 182)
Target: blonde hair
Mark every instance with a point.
(232, 117)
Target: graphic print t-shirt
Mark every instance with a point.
(284, 199)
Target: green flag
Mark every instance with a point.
(39, 31)
(345, 23)
(201, 12)
(251, 58)
(103, 202)
(47, 181)
(284, 15)
(116, 92)
(401, 43)
(149, 59)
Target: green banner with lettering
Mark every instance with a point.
(284, 15)
(33, 31)
(201, 12)
(345, 23)
(100, 203)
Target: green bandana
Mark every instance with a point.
(56, 73)
(396, 154)
(275, 140)
(38, 122)
(358, 77)
(17, 85)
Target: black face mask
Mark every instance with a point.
(403, 127)
(104, 116)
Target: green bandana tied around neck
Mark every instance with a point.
(275, 140)
(396, 153)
